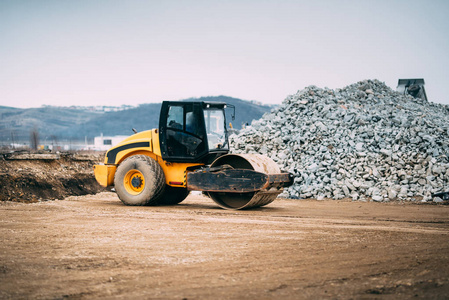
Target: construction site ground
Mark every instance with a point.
(93, 246)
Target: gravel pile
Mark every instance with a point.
(364, 141)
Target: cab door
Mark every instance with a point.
(182, 133)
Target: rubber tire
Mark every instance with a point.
(153, 176)
(173, 195)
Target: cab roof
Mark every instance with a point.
(204, 104)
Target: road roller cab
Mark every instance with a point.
(189, 151)
(193, 131)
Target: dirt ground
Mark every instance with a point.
(93, 246)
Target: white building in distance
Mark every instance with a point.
(103, 143)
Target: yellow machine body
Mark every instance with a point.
(104, 174)
(143, 143)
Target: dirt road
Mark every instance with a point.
(94, 247)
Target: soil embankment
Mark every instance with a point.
(33, 177)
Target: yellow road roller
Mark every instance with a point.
(189, 152)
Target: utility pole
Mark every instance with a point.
(12, 138)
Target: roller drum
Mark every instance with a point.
(254, 162)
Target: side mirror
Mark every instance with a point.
(233, 110)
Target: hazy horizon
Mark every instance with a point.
(90, 53)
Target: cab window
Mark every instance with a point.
(175, 118)
(215, 128)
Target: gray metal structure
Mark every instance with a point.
(413, 87)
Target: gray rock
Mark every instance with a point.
(378, 198)
(360, 147)
(385, 152)
(345, 190)
(392, 194)
(437, 200)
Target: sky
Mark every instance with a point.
(95, 52)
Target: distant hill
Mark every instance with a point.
(56, 123)
(16, 124)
